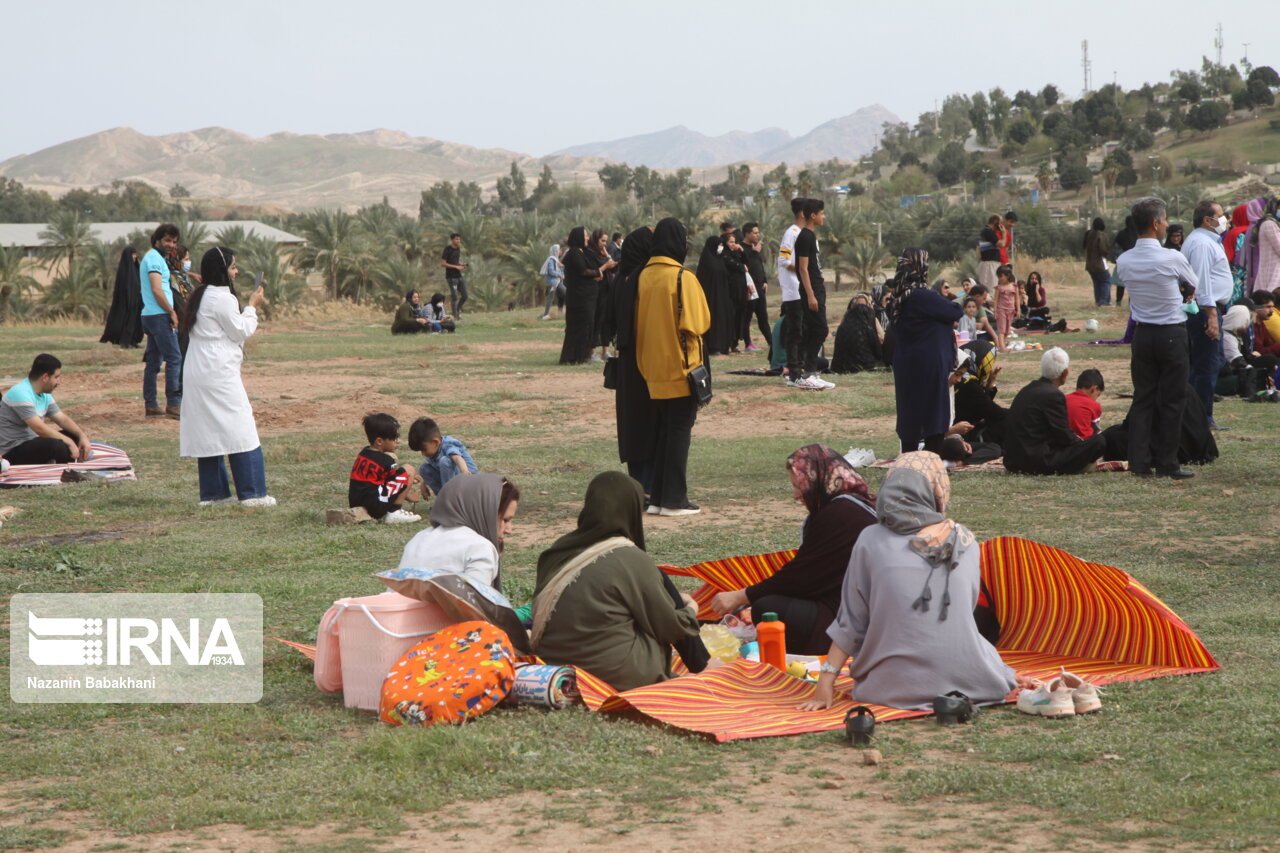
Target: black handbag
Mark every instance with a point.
(699, 377)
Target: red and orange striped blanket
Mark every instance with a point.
(1054, 610)
(107, 462)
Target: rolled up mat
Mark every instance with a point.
(544, 685)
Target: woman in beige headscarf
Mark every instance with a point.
(906, 614)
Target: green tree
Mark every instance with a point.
(331, 239)
(179, 191)
(1049, 94)
(615, 176)
(1021, 131)
(999, 106)
(19, 204)
(1153, 120)
(68, 234)
(949, 165)
(513, 189)
(75, 294)
(14, 281)
(1208, 116)
(774, 177)
(1073, 169)
(543, 190)
(980, 117)
(866, 262)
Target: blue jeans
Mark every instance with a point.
(247, 469)
(1206, 360)
(162, 344)
(1101, 287)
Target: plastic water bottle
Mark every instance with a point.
(771, 634)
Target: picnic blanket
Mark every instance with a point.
(108, 463)
(1054, 610)
(998, 465)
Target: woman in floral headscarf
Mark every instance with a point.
(805, 593)
(906, 610)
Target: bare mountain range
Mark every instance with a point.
(298, 171)
(845, 138)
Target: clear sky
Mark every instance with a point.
(535, 77)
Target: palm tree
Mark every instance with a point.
(195, 236)
(524, 262)
(331, 237)
(75, 294)
(842, 228)
(411, 239)
(13, 281)
(689, 209)
(260, 254)
(489, 285)
(68, 233)
(866, 261)
(103, 259)
(394, 277)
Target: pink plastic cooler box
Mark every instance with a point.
(359, 640)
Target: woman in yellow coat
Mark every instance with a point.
(671, 317)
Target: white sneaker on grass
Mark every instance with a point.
(653, 509)
(401, 516)
(266, 500)
(825, 384)
(219, 502)
(1084, 696)
(677, 512)
(811, 383)
(1051, 700)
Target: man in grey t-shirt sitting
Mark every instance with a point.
(33, 429)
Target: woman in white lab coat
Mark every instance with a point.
(217, 419)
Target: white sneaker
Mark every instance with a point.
(825, 383)
(653, 509)
(545, 317)
(1048, 700)
(676, 513)
(263, 501)
(790, 383)
(811, 383)
(401, 516)
(219, 502)
(1084, 696)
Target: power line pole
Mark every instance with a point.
(1085, 66)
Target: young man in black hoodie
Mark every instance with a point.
(377, 483)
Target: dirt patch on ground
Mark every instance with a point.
(823, 800)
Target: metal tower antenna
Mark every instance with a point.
(1086, 66)
(1217, 43)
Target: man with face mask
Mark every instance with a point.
(1159, 361)
(1203, 249)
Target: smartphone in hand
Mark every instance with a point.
(258, 281)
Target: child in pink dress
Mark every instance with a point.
(1006, 301)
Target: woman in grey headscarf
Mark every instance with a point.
(553, 274)
(471, 517)
(906, 613)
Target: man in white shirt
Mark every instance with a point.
(1159, 362)
(1203, 249)
(789, 283)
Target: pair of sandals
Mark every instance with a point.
(950, 709)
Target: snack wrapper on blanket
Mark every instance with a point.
(544, 685)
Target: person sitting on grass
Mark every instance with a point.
(1084, 412)
(907, 602)
(33, 429)
(805, 592)
(1038, 438)
(446, 457)
(437, 315)
(601, 603)
(411, 317)
(470, 521)
(377, 484)
(975, 394)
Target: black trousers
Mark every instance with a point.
(691, 649)
(676, 418)
(806, 622)
(755, 308)
(42, 451)
(1073, 459)
(1159, 365)
(803, 332)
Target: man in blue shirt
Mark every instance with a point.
(26, 435)
(1158, 361)
(1203, 248)
(160, 322)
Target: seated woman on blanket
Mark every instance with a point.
(805, 593)
(601, 603)
(858, 338)
(469, 521)
(906, 610)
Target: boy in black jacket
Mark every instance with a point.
(377, 484)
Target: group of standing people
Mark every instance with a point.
(198, 333)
